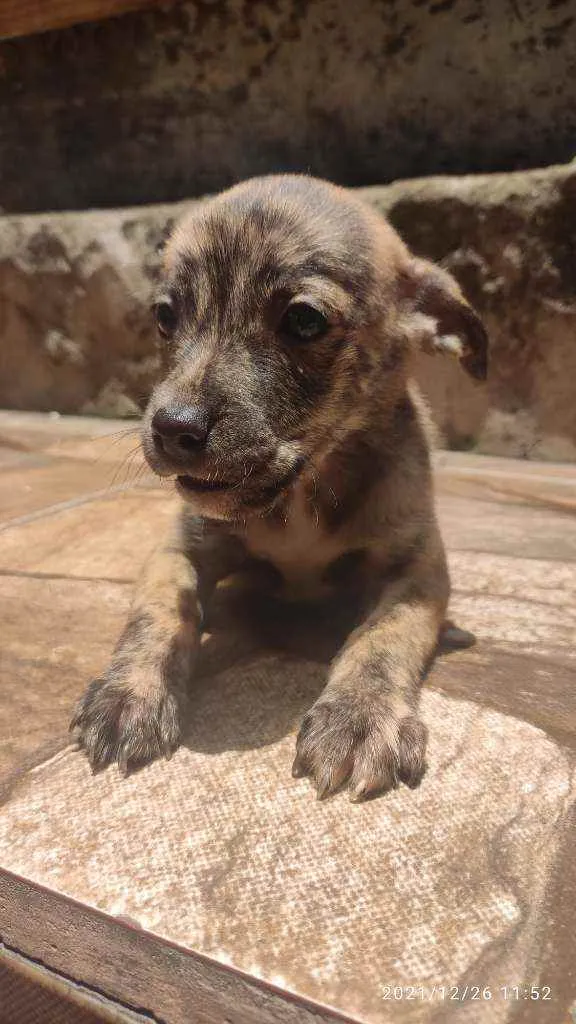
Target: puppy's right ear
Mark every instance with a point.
(440, 319)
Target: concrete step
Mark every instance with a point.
(78, 337)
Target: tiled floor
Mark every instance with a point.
(467, 881)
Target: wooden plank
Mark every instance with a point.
(25, 17)
(30, 992)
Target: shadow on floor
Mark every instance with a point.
(263, 664)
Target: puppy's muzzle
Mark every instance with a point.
(179, 436)
(183, 441)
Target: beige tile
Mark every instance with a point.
(505, 528)
(528, 603)
(109, 537)
(56, 634)
(37, 431)
(470, 463)
(45, 462)
(26, 489)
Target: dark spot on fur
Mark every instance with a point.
(351, 472)
(188, 609)
(441, 5)
(394, 45)
(344, 569)
(413, 736)
(136, 630)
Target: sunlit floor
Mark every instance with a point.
(372, 910)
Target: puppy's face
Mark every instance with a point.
(279, 314)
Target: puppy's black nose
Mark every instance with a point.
(180, 429)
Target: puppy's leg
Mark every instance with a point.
(364, 727)
(133, 713)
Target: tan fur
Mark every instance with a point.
(303, 461)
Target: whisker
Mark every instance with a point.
(117, 436)
(136, 468)
(125, 465)
(112, 440)
(244, 478)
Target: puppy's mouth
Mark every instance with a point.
(195, 485)
(201, 485)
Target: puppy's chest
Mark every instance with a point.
(301, 550)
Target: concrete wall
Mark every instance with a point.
(76, 334)
(164, 104)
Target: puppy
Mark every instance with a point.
(286, 418)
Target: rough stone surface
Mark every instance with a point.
(168, 103)
(74, 296)
(510, 239)
(77, 335)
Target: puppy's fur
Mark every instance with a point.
(299, 446)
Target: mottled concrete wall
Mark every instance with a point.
(76, 333)
(160, 105)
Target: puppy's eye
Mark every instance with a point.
(304, 322)
(166, 317)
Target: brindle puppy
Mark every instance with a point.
(285, 416)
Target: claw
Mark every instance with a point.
(114, 725)
(343, 740)
(299, 770)
(323, 790)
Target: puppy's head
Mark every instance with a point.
(286, 313)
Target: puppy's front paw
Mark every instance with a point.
(359, 739)
(113, 722)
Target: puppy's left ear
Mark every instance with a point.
(441, 318)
